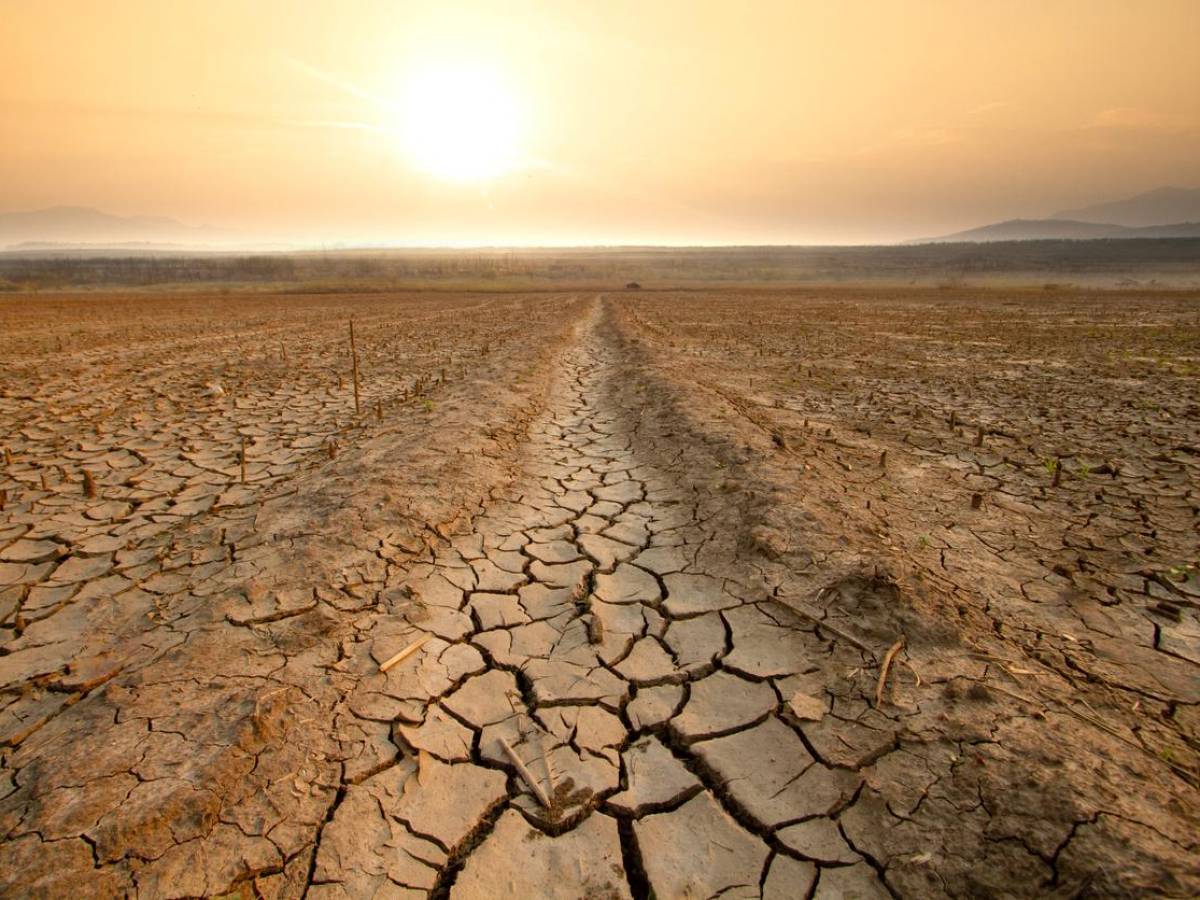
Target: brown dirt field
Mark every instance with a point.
(838, 593)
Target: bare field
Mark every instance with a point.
(850, 592)
(159, 400)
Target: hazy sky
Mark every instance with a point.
(606, 121)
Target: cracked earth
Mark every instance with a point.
(574, 653)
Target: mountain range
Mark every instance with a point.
(1167, 212)
(1158, 207)
(76, 226)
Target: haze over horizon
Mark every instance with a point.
(375, 122)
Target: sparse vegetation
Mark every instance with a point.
(1017, 263)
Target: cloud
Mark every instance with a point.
(332, 80)
(919, 138)
(336, 125)
(985, 108)
(1140, 121)
(961, 128)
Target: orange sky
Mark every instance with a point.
(660, 122)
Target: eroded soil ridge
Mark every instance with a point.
(594, 715)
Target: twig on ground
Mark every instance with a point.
(403, 654)
(1186, 774)
(525, 774)
(546, 761)
(832, 629)
(916, 674)
(885, 668)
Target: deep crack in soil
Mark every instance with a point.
(613, 698)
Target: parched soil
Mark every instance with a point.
(677, 595)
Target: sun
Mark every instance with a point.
(460, 122)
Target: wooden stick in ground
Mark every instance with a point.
(546, 761)
(354, 366)
(525, 774)
(837, 632)
(242, 458)
(89, 485)
(885, 668)
(403, 654)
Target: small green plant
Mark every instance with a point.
(923, 541)
(427, 405)
(1084, 470)
(1055, 469)
(1180, 573)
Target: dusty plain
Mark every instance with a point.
(841, 592)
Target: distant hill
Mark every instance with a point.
(78, 225)
(1158, 207)
(1167, 212)
(1060, 230)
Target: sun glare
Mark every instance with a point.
(460, 123)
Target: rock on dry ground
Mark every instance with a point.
(650, 638)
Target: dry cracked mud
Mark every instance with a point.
(624, 677)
